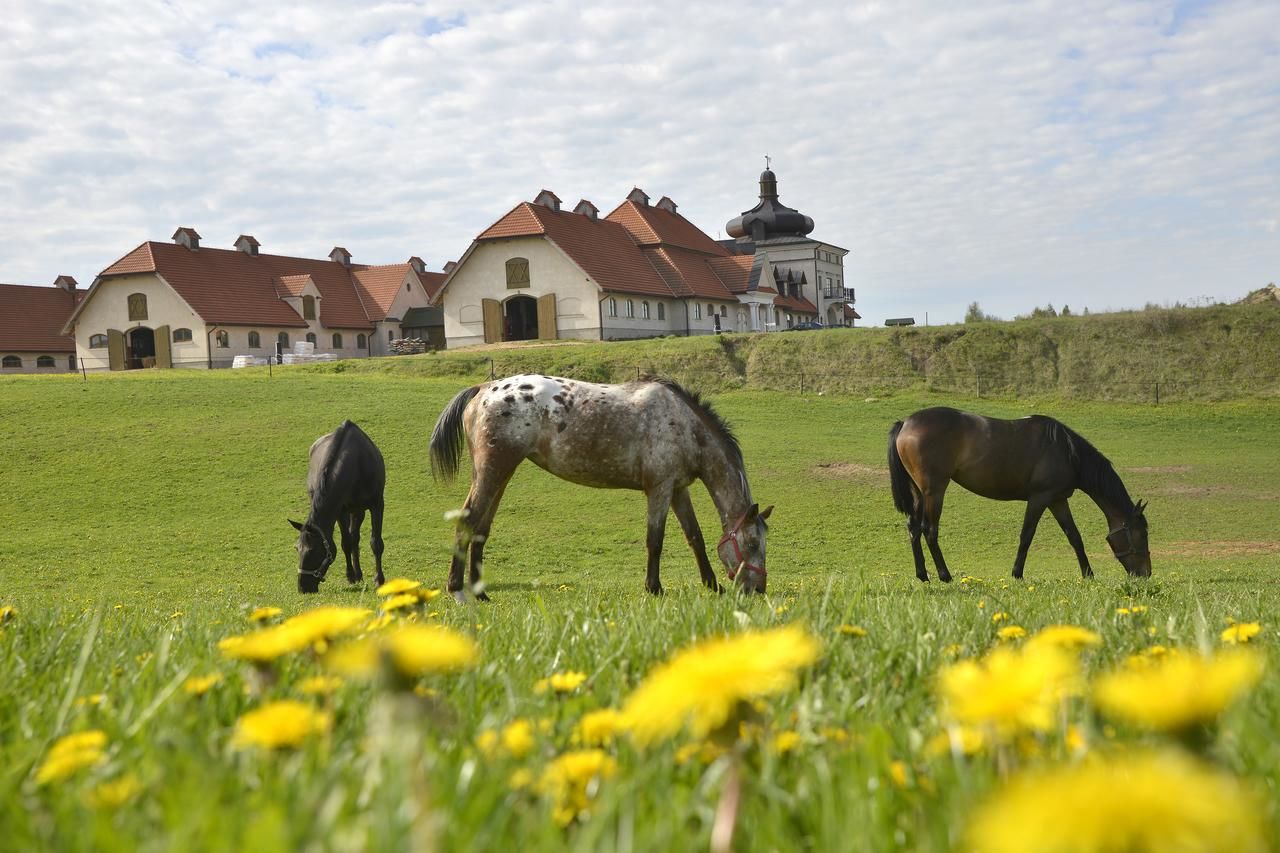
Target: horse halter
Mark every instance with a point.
(330, 556)
(1130, 549)
(731, 537)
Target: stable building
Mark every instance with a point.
(31, 318)
(181, 304)
(544, 272)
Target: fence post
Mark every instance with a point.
(637, 373)
(977, 383)
(269, 373)
(1157, 393)
(492, 371)
(84, 372)
(801, 383)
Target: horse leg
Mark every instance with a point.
(487, 486)
(1062, 512)
(354, 520)
(916, 527)
(1035, 509)
(683, 508)
(659, 499)
(375, 520)
(930, 515)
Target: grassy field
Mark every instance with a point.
(146, 516)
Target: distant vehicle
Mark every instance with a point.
(900, 321)
(805, 326)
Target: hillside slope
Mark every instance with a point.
(1218, 352)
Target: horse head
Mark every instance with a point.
(1129, 542)
(315, 555)
(742, 549)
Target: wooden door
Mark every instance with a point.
(547, 317)
(115, 349)
(164, 351)
(492, 320)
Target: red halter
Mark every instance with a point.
(731, 536)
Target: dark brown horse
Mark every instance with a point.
(650, 435)
(1035, 459)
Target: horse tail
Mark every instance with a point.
(446, 438)
(900, 481)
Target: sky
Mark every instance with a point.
(1102, 154)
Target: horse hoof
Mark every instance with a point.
(482, 596)
(459, 596)
(922, 578)
(945, 578)
(655, 590)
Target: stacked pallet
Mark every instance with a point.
(408, 346)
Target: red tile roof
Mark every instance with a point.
(234, 288)
(603, 249)
(651, 225)
(31, 319)
(734, 271)
(378, 287)
(795, 303)
(696, 276)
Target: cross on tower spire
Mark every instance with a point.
(766, 161)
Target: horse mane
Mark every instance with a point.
(709, 416)
(1095, 474)
(326, 471)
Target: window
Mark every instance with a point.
(631, 308)
(408, 287)
(223, 338)
(11, 361)
(697, 310)
(308, 307)
(283, 340)
(137, 306)
(337, 341)
(360, 343)
(71, 362)
(181, 336)
(311, 337)
(518, 272)
(613, 307)
(711, 309)
(391, 336)
(97, 342)
(45, 361)
(662, 311)
(644, 310)
(255, 340)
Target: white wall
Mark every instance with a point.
(109, 309)
(60, 364)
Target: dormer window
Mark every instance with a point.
(308, 307)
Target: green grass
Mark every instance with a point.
(146, 513)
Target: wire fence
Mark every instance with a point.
(980, 383)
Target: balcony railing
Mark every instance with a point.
(845, 293)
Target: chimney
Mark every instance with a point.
(588, 210)
(65, 282)
(187, 238)
(548, 199)
(247, 244)
(450, 266)
(666, 204)
(341, 256)
(418, 264)
(638, 196)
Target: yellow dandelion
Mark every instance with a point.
(398, 586)
(296, 634)
(114, 794)
(953, 650)
(198, 685)
(571, 780)
(1133, 610)
(852, 630)
(1241, 632)
(377, 623)
(418, 650)
(399, 602)
(957, 740)
(1177, 692)
(1137, 802)
(833, 734)
(785, 741)
(355, 659)
(999, 617)
(7, 613)
(561, 682)
(319, 685)
(71, 753)
(702, 686)
(487, 742)
(1067, 637)
(93, 700)
(1011, 632)
(264, 614)
(521, 779)
(898, 773)
(286, 723)
(517, 738)
(1010, 689)
(598, 728)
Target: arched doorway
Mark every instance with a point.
(520, 319)
(141, 352)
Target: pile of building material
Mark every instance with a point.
(408, 346)
(304, 352)
(248, 361)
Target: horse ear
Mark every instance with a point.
(1140, 507)
(297, 525)
(765, 514)
(752, 512)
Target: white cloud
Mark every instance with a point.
(1108, 154)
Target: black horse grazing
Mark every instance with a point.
(1035, 459)
(346, 477)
